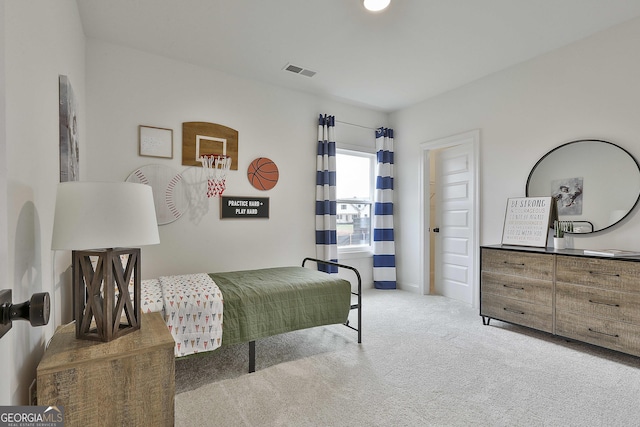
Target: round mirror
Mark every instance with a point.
(596, 183)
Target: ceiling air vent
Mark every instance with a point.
(299, 70)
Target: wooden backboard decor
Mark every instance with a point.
(208, 138)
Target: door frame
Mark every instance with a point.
(472, 140)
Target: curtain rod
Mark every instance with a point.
(353, 124)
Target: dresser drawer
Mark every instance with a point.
(608, 274)
(534, 266)
(607, 333)
(535, 291)
(595, 302)
(516, 311)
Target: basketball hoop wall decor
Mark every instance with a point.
(199, 138)
(263, 173)
(216, 166)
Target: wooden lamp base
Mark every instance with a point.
(104, 309)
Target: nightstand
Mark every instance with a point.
(127, 381)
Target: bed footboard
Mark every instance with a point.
(357, 306)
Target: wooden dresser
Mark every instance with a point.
(563, 292)
(129, 381)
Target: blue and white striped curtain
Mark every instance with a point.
(326, 236)
(384, 251)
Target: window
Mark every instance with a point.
(354, 194)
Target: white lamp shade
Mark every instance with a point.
(96, 215)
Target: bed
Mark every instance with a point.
(251, 304)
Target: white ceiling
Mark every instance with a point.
(412, 51)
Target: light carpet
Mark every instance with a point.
(424, 361)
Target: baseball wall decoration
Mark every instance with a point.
(169, 192)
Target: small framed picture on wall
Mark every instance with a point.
(155, 142)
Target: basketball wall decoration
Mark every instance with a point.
(263, 173)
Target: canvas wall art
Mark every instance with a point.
(69, 155)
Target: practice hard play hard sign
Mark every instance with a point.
(244, 207)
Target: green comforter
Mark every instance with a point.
(261, 303)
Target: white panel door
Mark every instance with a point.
(454, 216)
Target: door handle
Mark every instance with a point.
(36, 310)
(436, 230)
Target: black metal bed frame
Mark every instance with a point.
(358, 306)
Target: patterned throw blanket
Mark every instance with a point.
(193, 312)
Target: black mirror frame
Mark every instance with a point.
(635, 204)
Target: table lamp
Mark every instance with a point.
(97, 220)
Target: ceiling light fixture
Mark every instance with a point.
(376, 5)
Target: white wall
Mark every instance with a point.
(586, 90)
(6, 345)
(127, 88)
(42, 39)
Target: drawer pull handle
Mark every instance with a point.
(604, 333)
(599, 273)
(604, 303)
(517, 264)
(520, 288)
(513, 311)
